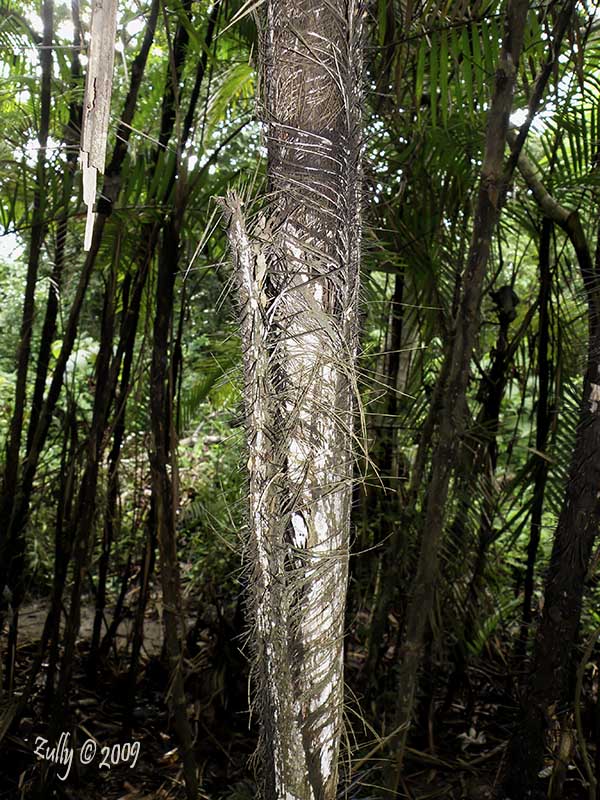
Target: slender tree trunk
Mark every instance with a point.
(382, 499)
(492, 192)
(49, 327)
(298, 277)
(109, 637)
(111, 520)
(61, 549)
(542, 430)
(488, 426)
(162, 464)
(132, 302)
(477, 468)
(146, 572)
(85, 515)
(163, 452)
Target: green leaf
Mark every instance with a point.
(456, 66)
(478, 63)
(494, 45)
(433, 78)
(467, 69)
(186, 24)
(444, 67)
(238, 80)
(419, 80)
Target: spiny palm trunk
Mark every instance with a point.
(298, 277)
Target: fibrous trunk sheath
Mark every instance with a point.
(297, 270)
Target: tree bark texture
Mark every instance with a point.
(297, 269)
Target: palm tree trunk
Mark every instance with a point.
(297, 273)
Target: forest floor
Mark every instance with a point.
(103, 710)
(459, 757)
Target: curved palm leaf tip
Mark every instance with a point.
(96, 106)
(297, 271)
